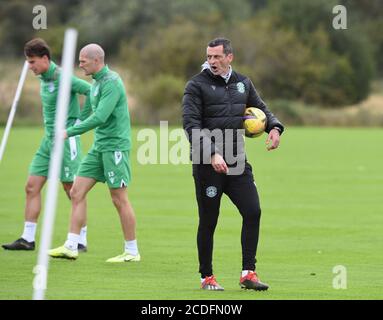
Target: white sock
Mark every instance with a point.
(245, 272)
(131, 247)
(29, 231)
(83, 236)
(72, 241)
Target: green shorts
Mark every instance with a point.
(110, 166)
(71, 160)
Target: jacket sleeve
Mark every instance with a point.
(255, 100)
(82, 87)
(108, 101)
(202, 148)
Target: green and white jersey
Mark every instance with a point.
(49, 87)
(110, 113)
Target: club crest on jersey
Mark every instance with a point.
(211, 191)
(241, 87)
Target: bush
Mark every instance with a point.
(345, 57)
(178, 49)
(331, 69)
(286, 111)
(275, 59)
(159, 99)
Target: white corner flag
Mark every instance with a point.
(41, 269)
(13, 109)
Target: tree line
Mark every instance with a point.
(288, 47)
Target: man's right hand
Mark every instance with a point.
(219, 164)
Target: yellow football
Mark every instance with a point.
(254, 122)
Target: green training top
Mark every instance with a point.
(49, 87)
(110, 113)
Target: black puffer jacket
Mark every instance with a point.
(211, 103)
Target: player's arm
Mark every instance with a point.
(108, 101)
(254, 100)
(86, 109)
(82, 87)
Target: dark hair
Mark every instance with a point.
(37, 48)
(227, 48)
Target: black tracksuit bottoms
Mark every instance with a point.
(242, 191)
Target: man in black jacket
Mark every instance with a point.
(213, 107)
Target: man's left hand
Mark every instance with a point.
(65, 135)
(274, 138)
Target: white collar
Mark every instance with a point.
(227, 76)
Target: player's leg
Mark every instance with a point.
(118, 175)
(208, 186)
(90, 171)
(82, 245)
(33, 189)
(69, 250)
(70, 166)
(243, 193)
(81, 186)
(38, 172)
(128, 224)
(32, 212)
(125, 211)
(67, 186)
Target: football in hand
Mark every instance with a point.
(254, 122)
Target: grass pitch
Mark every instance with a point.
(321, 195)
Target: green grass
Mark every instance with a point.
(321, 195)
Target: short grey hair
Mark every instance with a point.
(94, 51)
